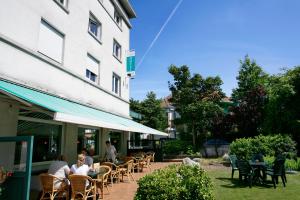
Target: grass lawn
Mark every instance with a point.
(226, 188)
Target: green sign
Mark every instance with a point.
(130, 63)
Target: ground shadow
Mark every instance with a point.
(236, 183)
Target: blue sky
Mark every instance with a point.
(211, 36)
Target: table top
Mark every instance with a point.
(94, 174)
(253, 163)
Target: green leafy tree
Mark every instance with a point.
(195, 99)
(250, 98)
(152, 113)
(250, 77)
(283, 108)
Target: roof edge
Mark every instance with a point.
(128, 8)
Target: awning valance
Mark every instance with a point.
(72, 112)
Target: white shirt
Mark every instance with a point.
(59, 169)
(111, 153)
(82, 170)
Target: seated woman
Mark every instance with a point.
(60, 169)
(80, 167)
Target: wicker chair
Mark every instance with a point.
(126, 170)
(115, 172)
(146, 162)
(102, 177)
(137, 164)
(50, 190)
(80, 188)
(152, 154)
(49, 185)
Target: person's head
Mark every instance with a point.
(80, 160)
(61, 158)
(91, 151)
(107, 143)
(84, 151)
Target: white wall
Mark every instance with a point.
(20, 22)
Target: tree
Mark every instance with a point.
(250, 98)
(152, 113)
(283, 108)
(195, 99)
(250, 77)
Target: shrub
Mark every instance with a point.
(290, 164)
(244, 148)
(175, 182)
(176, 147)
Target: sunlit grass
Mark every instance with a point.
(227, 189)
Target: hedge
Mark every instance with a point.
(175, 147)
(245, 148)
(175, 182)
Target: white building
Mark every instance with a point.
(63, 76)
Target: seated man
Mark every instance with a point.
(88, 159)
(59, 168)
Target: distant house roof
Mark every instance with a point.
(165, 103)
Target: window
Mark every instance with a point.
(90, 75)
(51, 42)
(118, 18)
(92, 71)
(116, 84)
(47, 139)
(87, 138)
(95, 27)
(117, 50)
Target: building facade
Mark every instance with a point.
(63, 76)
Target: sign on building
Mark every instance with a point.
(130, 63)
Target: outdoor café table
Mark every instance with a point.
(258, 168)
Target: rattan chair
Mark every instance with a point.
(126, 170)
(53, 187)
(115, 172)
(152, 154)
(80, 188)
(146, 162)
(102, 179)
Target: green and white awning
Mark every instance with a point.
(71, 112)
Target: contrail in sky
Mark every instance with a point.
(159, 32)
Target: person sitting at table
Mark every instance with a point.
(110, 152)
(258, 157)
(80, 167)
(88, 159)
(60, 169)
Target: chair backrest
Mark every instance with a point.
(129, 165)
(233, 161)
(47, 181)
(148, 160)
(244, 167)
(79, 183)
(104, 169)
(278, 167)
